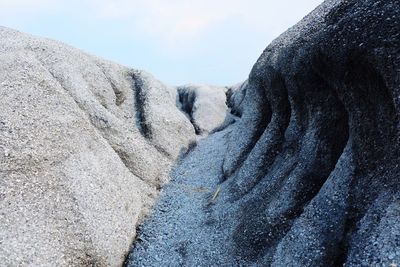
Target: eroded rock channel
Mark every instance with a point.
(309, 175)
(297, 166)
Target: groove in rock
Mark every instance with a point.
(257, 128)
(326, 135)
(360, 84)
(120, 97)
(140, 105)
(186, 99)
(270, 142)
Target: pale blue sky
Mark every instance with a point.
(178, 41)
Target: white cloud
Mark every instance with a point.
(177, 19)
(171, 21)
(177, 40)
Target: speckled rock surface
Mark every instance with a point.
(84, 146)
(320, 185)
(309, 174)
(205, 106)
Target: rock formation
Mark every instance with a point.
(84, 146)
(301, 167)
(310, 172)
(317, 177)
(205, 107)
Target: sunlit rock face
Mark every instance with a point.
(205, 106)
(85, 144)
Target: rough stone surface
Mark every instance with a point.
(84, 146)
(309, 174)
(205, 106)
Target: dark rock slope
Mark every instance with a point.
(317, 174)
(310, 176)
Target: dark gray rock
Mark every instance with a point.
(309, 174)
(318, 182)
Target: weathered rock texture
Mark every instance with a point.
(84, 146)
(205, 107)
(310, 174)
(317, 173)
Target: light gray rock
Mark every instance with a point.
(205, 106)
(159, 120)
(77, 169)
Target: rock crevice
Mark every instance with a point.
(310, 169)
(297, 166)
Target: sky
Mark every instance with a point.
(179, 41)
